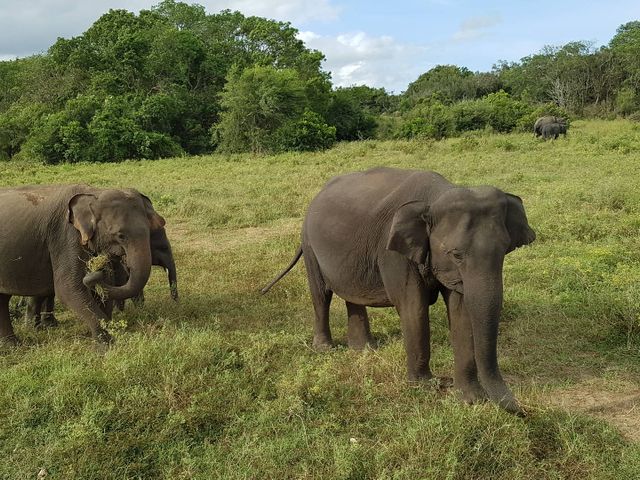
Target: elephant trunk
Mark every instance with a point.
(483, 301)
(173, 278)
(139, 263)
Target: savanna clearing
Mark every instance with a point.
(225, 384)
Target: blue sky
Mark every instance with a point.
(382, 44)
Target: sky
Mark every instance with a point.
(377, 43)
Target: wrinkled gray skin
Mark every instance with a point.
(49, 232)
(542, 121)
(553, 130)
(389, 237)
(40, 310)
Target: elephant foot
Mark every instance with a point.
(472, 393)
(417, 379)
(322, 344)
(511, 405)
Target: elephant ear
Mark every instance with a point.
(156, 222)
(517, 224)
(81, 215)
(408, 234)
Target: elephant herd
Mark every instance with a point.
(550, 127)
(379, 238)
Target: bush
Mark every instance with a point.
(352, 122)
(504, 111)
(627, 101)
(497, 112)
(16, 125)
(308, 133)
(432, 120)
(257, 102)
(97, 129)
(470, 115)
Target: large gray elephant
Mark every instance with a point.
(40, 310)
(553, 130)
(389, 237)
(542, 121)
(48, 234)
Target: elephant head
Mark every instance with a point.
(119, 223)
(462, 239)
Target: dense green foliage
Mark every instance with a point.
(177, 80)
(148, 85)
(225, 384)
(572, 80)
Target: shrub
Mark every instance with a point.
(470, 115)
(627, 101)
(350, 119)
(308, 133)
(432, 120)
(257, 101)
(504, 111)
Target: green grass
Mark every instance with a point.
(225, 384)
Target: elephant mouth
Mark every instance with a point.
(449, 280)
(455, 285)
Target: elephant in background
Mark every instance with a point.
(542, 121)
(553, 130)
(40, 310)
(49, 233)
(390, 237)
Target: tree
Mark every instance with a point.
(256, 102)
(347, 112)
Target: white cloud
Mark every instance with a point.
(294, 11)
(307, 36)
(28, 27)
(476, 27)
(359, 58)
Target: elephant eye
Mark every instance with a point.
(457, 254)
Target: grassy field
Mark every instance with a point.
(225, 384)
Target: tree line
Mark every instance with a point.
(175, 80)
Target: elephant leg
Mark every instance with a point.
(80, 300)
(358, 331)
(47, 319)
(321, 299)
(465, 376)
(88, 310)
(6, 330)
(32, 310)
(138, 300)
(407, 291)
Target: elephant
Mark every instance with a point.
(392, 237)
(542, 121)
(553, 130)
(49, 233)
(161, 255)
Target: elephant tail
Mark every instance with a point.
(284, 272)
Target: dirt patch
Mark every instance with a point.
(619, 407)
